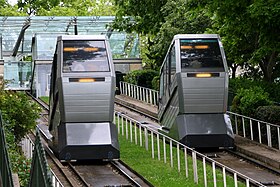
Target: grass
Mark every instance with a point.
(45, 99)
(162, 174)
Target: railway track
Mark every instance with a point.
(87, 173)
(239, 162)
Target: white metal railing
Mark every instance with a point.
(27, 146)
(256, 130)
(178, 155)
(140, 93)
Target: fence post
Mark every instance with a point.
(39, 174)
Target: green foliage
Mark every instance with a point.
(9, 10)
(247, 101)
(155, 83)
(180, 17)
(250, 32)
(145, 15)
(272, 88)
(141, 77)
(45, 99)
(79, 8)
(19, 113)
(269, 114)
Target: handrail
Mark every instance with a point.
(157, 143)
(140, 93)
(267, 133)
(256, 130)
(6, 178)
(28, 148)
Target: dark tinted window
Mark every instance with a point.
(200, 55)
(84, 56)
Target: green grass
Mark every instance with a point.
(45, 99)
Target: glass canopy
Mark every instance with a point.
(17, 33)
(36, 37)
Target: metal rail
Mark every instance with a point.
(159, 144)
(27, 145)
(140, 93)
(130, 174)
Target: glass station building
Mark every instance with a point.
(28, 43)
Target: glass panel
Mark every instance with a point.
(201, 55)
(123, 45)
(85, 56)
(173, 62)
(17, 74)
(45, 45)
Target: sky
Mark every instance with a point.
(12, 2)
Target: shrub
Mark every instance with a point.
(269, 114)
(19, 113)
(247, 101)
(155, 83)
(141, 77)
(19, 116)
(272, 88)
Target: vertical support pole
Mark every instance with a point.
(214, 174)
(126, 128)
(235, 180)
(224, 177)
(278, 132)
(268, 135)
(130, 129)
(171, 153)
(260, 134)
(251, 130)
(195, 175)
(140, 135)
(135, 133)
(146, 139)
(186, 162)
(151, 96)
(164, 150)
(178, 157)
(243, 125)
(122, 126)
(204, 172)
(152, 140)
(236, 125)
(121, 87)
(158, 146)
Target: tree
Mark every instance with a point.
(180, 17)
(67, 7)
(159, 22)
(145, 16)
(8, 10)
(250, 31)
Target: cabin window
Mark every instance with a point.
(201, 55)
(85, 56)
(172, 62)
